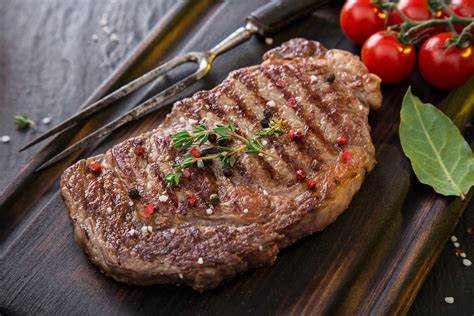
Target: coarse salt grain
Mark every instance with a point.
(260, 247)
(108, 210)
(130, 203)
(163, 198)
(6, 139)
(265, 192)
(313, 78)
(181, 276)
(150, 229)
(449, 299)
(114, 37)
(246, 210)
(466, 262)
(103, 21)
(456, 244)
(454, 238)
(144, 230)
(132, 232)
(462, 255)
(200, 261)
(264, 142)
(95, 38)
(209, 211)
(268, 40)
(271, 103)
(172, 230)
(46, 120)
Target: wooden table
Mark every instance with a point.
(54, 53)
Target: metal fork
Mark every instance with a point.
(266, 20)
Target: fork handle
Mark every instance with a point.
(277, 14)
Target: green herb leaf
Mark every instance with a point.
(438, 153)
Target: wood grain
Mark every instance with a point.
(372, 259)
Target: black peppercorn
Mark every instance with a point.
(227, 172)
(330, 78)
(265, 123)
(267, 113)
(212, 138)
(133, 193)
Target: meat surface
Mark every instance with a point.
(263, 207)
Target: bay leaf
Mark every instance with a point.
(439, 155)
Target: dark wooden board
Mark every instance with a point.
(372, 259)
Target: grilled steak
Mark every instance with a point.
(324, 94)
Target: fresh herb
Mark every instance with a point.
(214, 199)
(229, 146)
(23, 122)
(439, 155)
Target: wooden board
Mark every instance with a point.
(372, 259)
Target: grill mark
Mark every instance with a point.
(312, 142)
(248, 81)
(273, 74)
(211, 100)
(314, 97)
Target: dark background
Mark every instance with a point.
(54, 53)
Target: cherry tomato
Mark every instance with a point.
(359, 19)
(463, 8)
(385, 56)
(417, 10)
(445, 68)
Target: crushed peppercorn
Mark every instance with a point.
(292, 102)
(267, 113)
(265, 122)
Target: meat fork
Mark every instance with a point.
(265, 21)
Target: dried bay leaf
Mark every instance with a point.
(439, 155)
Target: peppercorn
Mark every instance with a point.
(191, 198)
(300, 174)
(310, 184)
(139, 150)
(341, 140)
(265, 122)
(295, 136)
(346, 156)
(95, 167)
(133, 193)
(214, 199)
(212, 138)
(227, 172)
(330, 78)
(148, 210)
(267, 113)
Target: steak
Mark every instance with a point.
(263, 207)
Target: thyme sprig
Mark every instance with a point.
(221, 143)
(23, 122)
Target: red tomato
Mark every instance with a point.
(463, 8)
(417, 10)
(445, 68)
(385, 56)
(359, 19)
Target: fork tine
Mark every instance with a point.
(151, 104)
(114, 96)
